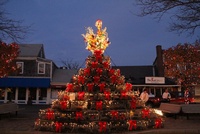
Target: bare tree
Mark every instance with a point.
(186, 15)
(9, 28)
(70, 64)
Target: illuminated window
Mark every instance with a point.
(20, 67)
(41, 68)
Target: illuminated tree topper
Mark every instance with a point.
(98, 41)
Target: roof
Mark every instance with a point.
(62, 76)
(31, 50)
(135, 71)
(136, 74)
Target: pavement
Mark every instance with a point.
(24, 123)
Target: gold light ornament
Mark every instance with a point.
(98, 41)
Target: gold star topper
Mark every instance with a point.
(98, 41)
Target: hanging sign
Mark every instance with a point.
(155, 80)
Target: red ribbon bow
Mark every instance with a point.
(102, 86)
(58, 126)
(132, 124)
(81, 79)
(123, 95)
(102, 126)
(106, 65)
(94, 64)
(145, 113)
(96, 79)
(107, 95)
(111, 72)
(63, 105)
(81, 95)
(99, 71)
(86, 71)
(90, 87)
(158, 123)
(79, 115)
(69, 87)
(113, 79)
(115, 114)
(133, 104)
(128, 86)
(99, 105)
(50, 114)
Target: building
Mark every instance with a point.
(40, 80)
(150, 77)
(32, 81)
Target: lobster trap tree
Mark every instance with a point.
(8, 54)
(98, 100)
(182, 63)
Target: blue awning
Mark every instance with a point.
(25, 82)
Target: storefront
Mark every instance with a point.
(156, 86)
(20, 90)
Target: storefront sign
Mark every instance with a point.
(155, 80)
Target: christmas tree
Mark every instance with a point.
(98, 100)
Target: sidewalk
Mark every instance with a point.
(24, 123)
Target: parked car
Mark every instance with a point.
(176, 97)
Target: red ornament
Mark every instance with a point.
(145, 113)
(158, 123)
(102, 126)
(79, 115)
(63, 105)
(107, 95)
(50, 114)
(69, 87)
(123, 95)
(132, 124)
(58, 126)
(102, 87)
(81, 79)
(128, 86)
(81, 95)
(90, 87)
(115, 114)
(99, 105)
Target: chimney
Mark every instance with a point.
(160, 67)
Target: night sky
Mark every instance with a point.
(58, 25)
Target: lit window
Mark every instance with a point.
(20, 67)
(41, 68)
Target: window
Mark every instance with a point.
(20, 67)
(41, 68)
(2, 94)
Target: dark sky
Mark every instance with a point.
(58, 24)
